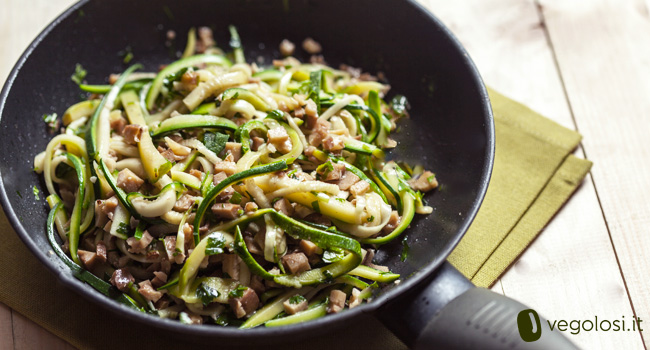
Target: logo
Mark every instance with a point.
(529, 325)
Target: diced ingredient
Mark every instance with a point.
(336, 302)
(227, 211)
(311, 46)
(295, 304)
(132, 133)
(287, 48)
(128, 181)
(147, 291)
(122, 279)
(139, 246)
(246, 304)
(424, 182)
(295, 262)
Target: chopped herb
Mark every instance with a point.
(51, 120)
(399, 104)
(222, 320)
(240, 212)
(237, 292)
(169, 80)
(330, 256)
(292, 174)
(431, 178)
(297, 299)
(206, 293)
(36, 192)
(328, 275)
(79, 74)
(371, 218)
(177, 252)
(123, 228)
(325, 168)
(315, 206)
(342, 200)
(126, 54)
(236, 198)
(18, 193)
(215, 141)
(139, 230)
(405, 249)
(315, 83)
(215, 245)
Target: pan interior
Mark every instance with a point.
(449, 131)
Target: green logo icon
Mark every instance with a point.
(529, 326)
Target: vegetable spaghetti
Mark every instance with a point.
(215, 191)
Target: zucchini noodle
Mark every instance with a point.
(209, 186)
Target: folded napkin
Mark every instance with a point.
(534, 174)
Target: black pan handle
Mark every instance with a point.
(449, 312)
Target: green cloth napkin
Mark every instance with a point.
(534, 174)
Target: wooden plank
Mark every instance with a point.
(6, 328)
(609, 96)
(508, 42)
(28, 335)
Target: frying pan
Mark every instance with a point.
(450, 131)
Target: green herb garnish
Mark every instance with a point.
(215, 141)
(215, 245)
(405, 249)
(79, 74)
(36, 192)
(206, 293)
(237, 292)
(296, 299)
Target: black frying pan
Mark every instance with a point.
(450, 131)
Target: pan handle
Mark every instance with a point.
(449, 312)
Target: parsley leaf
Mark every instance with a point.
(399, 104)
(296, 299)
(315, 206)
(237, 292)
(79, 74)
(169, 80)
(215, 245)
(51, 120)
(206, 293)
(330, 256)
(215, 141)
(405, 249)
(36, 192)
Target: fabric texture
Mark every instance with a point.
(534, 175)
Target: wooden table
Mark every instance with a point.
(584, 64)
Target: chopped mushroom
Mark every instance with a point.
(101, 251)
(246, 304)
(89, 259)
(354, 298)
(424, 182)
(231, 265)
(128, 181)
(132, 133)
(184, 203)
(292, 308)
(147, 291)
(139, 246)
(279, 138)
(333, 143)
(287, 48)
(234, 148)
(283, 205)
(347, 179)
(393, 221)
(227, 168)
(257, 142)
(319, 133)
(337, 301)
(360, 188)
(159, 279)
(296, 262)
(311, 46)
(121, 279)
(309, 248)
(227, 211)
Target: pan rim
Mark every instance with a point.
(315, 326)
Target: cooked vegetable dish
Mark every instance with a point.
(216, 191)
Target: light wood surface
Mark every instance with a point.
(584, 64)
